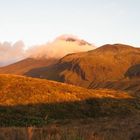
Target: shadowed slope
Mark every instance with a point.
(133, 72)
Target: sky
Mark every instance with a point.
(97, 21)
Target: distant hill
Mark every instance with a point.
(26, 65)
(28, 101)
(106, 63)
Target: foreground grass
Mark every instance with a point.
(91, 129)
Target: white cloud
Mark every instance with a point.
(60, 47)
(10, 53)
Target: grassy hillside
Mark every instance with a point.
(28, 101)
(20, 90)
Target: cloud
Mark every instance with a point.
(60, 47)
(10, 53)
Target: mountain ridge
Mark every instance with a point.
(96, 65)
(106, 63)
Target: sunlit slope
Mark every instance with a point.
(28, 101)
(20, 90)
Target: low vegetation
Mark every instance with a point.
(89, 129)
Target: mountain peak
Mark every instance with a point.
(115, 48)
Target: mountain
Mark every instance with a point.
(28, 101)
(106, 63)
(23, 66)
